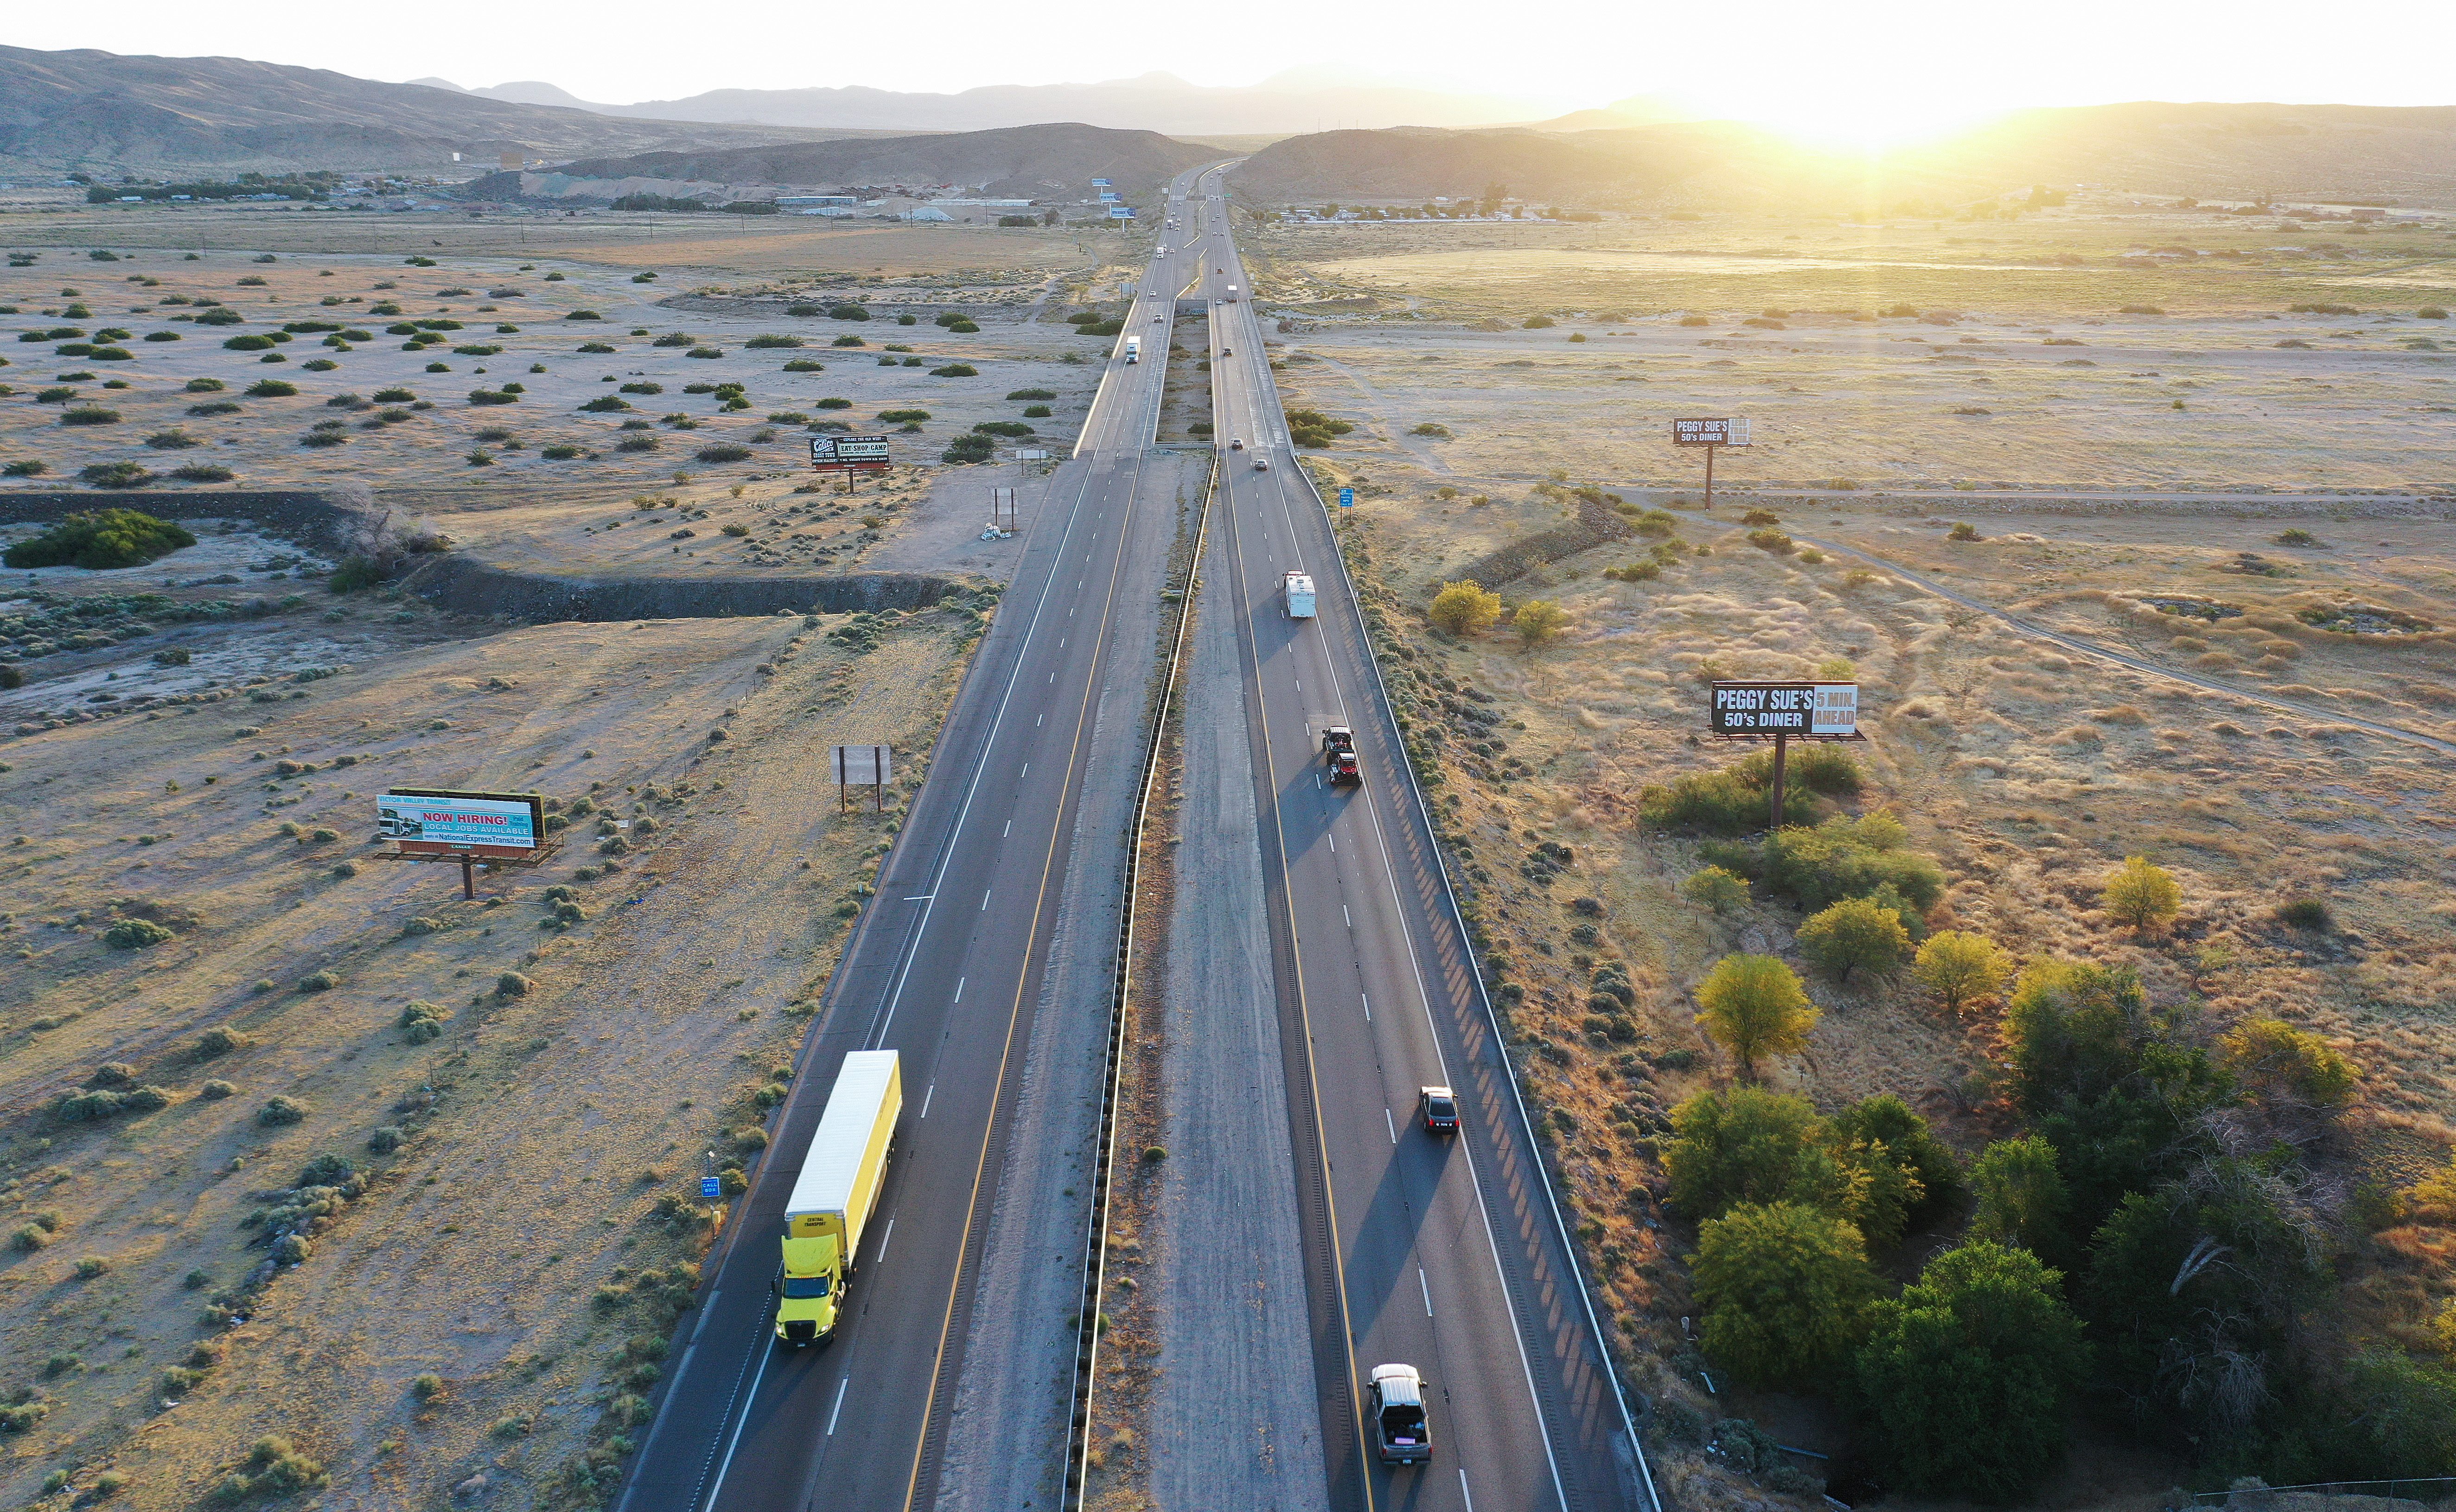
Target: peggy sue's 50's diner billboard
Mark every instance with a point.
(1816, 710)
(442, 820)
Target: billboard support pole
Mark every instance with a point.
(1710, 487)
(469, 876)
(1781, 745)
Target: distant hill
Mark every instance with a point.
(1025, 162)
(1292, 101)
(2214, 151)
(106, 113)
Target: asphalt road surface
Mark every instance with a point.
(1446, 1254)
(946, 967)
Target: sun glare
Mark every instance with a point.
(1874, 121)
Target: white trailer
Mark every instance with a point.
(1299, 590)
(1134, 350)
(836, 1193)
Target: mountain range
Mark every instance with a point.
(1296, 100)
(2214, 151)
(1025, 162)
(108, 112)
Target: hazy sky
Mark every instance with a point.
(1871, 70)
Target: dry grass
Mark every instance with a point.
(537, 1136)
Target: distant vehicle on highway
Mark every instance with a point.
(1262, 464)
(1343, 771)
(1300, 592)
(1227, 351)
(1235, 444)
(1134, 350)
(1230, 297)
(1400, 1435)
(1440, 1106)
(1336, 739)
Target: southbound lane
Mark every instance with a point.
(944, 967)
(1450, 1255)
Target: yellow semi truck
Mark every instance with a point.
(835, 1195)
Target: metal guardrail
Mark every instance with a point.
(2257, 1495)
(1104, 1161)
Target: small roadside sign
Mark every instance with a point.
(1031, 454)
(857, 765)
(1347, 499)
(1100, 183)
(711, 1187)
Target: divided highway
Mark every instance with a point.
(1450, 1255)
(948, 967)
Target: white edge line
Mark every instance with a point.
(749, 1400)
(839, 1406)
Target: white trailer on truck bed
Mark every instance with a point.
(835, 1194)
(1300, 589)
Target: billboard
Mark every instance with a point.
(442, 820)
(1100, 183)
(1120, 213)
(1725, 432)
(1816, 711)
(846, 452)
(861, 764)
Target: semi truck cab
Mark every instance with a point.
(809, 1290)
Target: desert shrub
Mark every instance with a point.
(134, 935)
(1966, 1375)
(955, 370)
(1464, 607)
(970, 447)
(1784, 1289)
(1899, 1172)
(1818, 767)
(2287, 1065)
(172, 440)
(271, 389)
(1012, 428)
(89, 415)
(722, 452)
(2305, 913)
(1538, 621)
(1963, 531)
(1730, 802)
(25, 467)
(1715, 888)
(1753, 1005)
(203, 473)
(512, 984)
(272, 1469)
(885, 417)
(1963, 968)
(220, 1040)
(316, 981)
(606, 404)
(2141, 895)
(217, 1090)
(109, 537)
(279, 1111)
(764, 342)
(1819, 866)
(421, 1022)
(353, 573)
(1852, 935)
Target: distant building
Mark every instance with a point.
(806, 202)
(926, 213)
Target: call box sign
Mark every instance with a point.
(1817, 710)
(1725, 432)
(434, 820)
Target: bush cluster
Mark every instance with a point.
(105, 539)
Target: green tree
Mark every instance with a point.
(1784, 1290)
(1464, 607)
(1538, 621)
(1881, 1132)
(1855, 934)
(1755, 1006)
(2143, 896)
(1961, 970)
(1715, 888)
(2021, 1196)
(1747, 1145)
(1967, 1373)
(2114, 1084)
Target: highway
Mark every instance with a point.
(948, 965)
(1448, 1254)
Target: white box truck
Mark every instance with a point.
(1134, 350)
(1300, 589)
(835, 1195)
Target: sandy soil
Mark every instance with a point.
(538, 1134)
